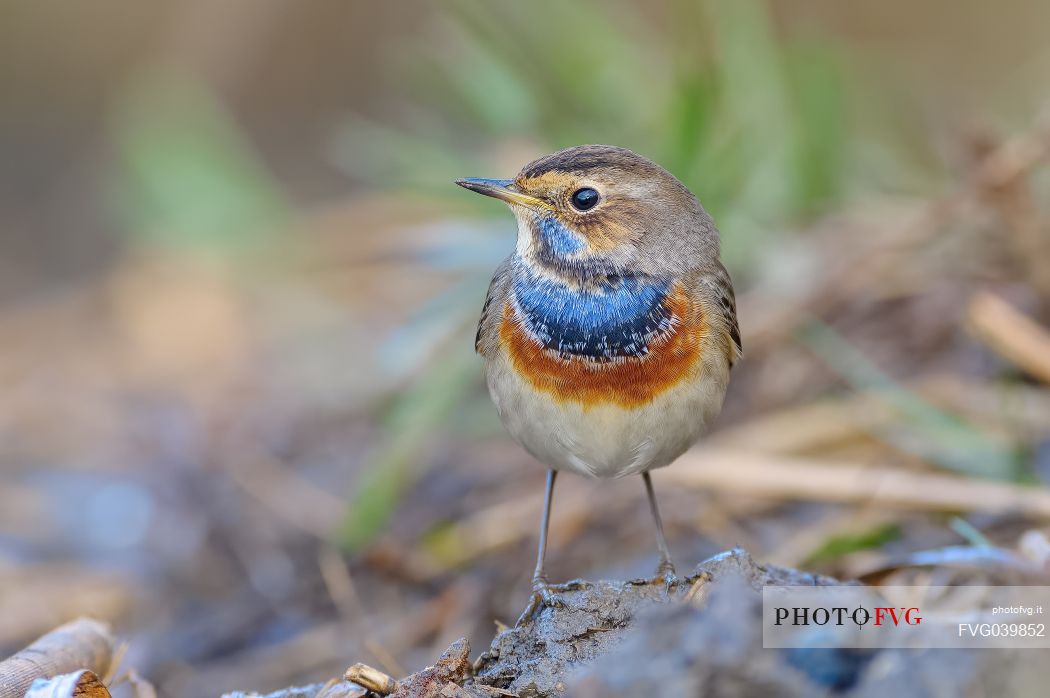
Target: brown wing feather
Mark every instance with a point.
(716, 284)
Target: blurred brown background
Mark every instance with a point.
(240, 413)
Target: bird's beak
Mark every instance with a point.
(502, 189)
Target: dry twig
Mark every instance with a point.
(762, 475)
(81, 644)
(1011, 333)
(371, 678)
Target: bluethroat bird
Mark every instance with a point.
(608, 335)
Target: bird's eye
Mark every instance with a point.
(584, 199)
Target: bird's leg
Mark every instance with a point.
(665, 570)
(539, 577)
(542, 594)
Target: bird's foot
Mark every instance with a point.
(666, 576)
(545, 595)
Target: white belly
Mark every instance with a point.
(606, 440)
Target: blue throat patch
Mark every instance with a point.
(556, 239)
(616, 318)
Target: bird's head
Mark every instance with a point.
(602, 209)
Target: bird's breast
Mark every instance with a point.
(623, 343)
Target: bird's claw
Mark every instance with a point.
(665, 575)
(545, 595)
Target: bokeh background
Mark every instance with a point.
(240, 412)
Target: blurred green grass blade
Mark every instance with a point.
(188, 175)
(587, 87)
(750, 68)
(501, 33)
(970, 533)
(690, 118)
(838, 546)
(415, 415)
(444, 543)
(750, 65)
(819, 98)
(488, 93)
(748, 155)
(927, 431)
